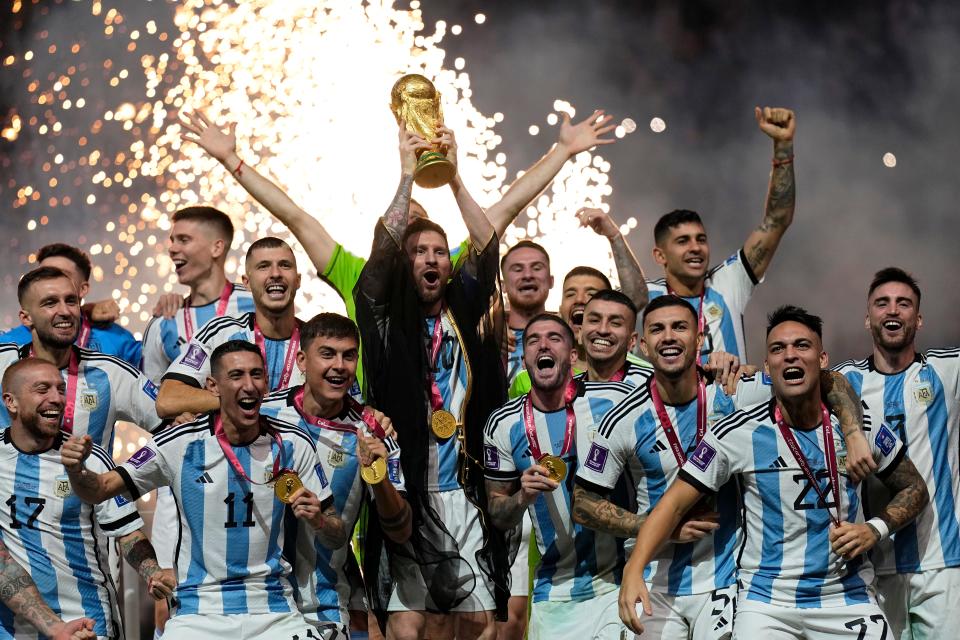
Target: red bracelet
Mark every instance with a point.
(237, 170)
(776, 163)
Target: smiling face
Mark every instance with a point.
(526, 279)
(271, 275)
(37, 400)
(893, 316)
(330, 366)
(240, 381)
(685, 253)
(51, 308)
(548, 355)
(577, 291)
(795, 356)
(430, 263)
(194, 249)
(670, 340)
(608, 331)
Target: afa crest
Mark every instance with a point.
(89, 400)
(61, 487)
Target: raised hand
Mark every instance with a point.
(74, 451)
(776, 122)
(447, 143)
(218, 144)
(410, 144)
(587, 134)
(599, 221)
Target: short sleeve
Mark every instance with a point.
(498, 462)
(735, 281)
(887, 450)
(307, 465)
(136, 398)
(145, 470)
(607, 453)
(155, 360)
(709, 466)
(193, 365)
(116, 516)
(343, 273)
(752, 390)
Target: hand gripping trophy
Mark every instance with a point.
(415, 101)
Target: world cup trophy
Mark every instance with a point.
(415, 101)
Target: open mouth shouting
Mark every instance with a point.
(178, 264)
(793, 375)
(276, 290)
(892, 325)
(249, 405)
(576, 315)
(546, 362)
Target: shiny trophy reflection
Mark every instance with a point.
(415, 101)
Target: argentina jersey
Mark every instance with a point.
(229, 556)
(193, 366)
(921, 404)
(164, 338)
(323, 591)
(59, 540)
(107, 389)
(631, 440)
(109, 338)
(451, 372)
(728, 288)
(576, 563)
(785, 557)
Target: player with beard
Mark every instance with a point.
(101, 389)
(531, 456)
(236, 477)
(647, 437)
(349, 438)
(47, 528)
(720, 295)
(918, 567)
(801, 568)
(272, 277)
(98, 331)
(525, 271)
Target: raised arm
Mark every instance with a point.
(90, 486)
(632, 281)
(780, 125)
(573, 139)
(222, 145)
(478, 226)
(176, 397)
(397, 215)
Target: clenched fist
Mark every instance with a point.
(776, 122)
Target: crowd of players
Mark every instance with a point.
(311, 488)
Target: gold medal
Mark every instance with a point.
(555, 466)
(443, 424)
(375, 473)
(286, 485)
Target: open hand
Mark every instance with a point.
(200, 130)
(600, 222)
(587, 134)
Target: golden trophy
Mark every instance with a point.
(415, 101)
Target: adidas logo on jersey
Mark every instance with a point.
(721, 623)
(779, 463)
(659, 446)
(205, 478)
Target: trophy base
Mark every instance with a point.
(433, 170)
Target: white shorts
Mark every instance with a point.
(699, 616)
(520, 571)
(253, 626)
(759, 620)
(166, 528)
(930, 600)
(595, 619)
(462, 520)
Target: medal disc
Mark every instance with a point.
(555, 466)
(286, 485)
(375, 473)
(443, 424)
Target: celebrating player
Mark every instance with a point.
(720, 295)
(802, 571)
(233, 473)
(918, 567)
(530, 455)
(351, 446)
(607, 336)
(46, 527)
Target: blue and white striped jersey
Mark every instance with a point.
(108, 389)
(636, 372)
(229, 552)
(576, 563)
(110, 338)
(921, 404)
(323, 590)
(193, 366)
(728, 290)
(785, 556)
(631, 439)
(452, 374)
(164, 338)
(59, 540)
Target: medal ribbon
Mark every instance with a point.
(436, 400)
(288, 359)
(830, 454)
(620, 374)
(85, 328)
(221, 309)
(530, 426)
(231, 457)
(675, 445)
(325, 423)
(73, 373)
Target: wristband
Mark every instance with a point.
(776, 163)
(238, 171)
(880, 527)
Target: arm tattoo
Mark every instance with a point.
(19, 593)
(599, 514)
(503, 504)
(843, 401)
(632, 282)
(139, 554)
(332, 532)
(396, 215)
(780, 204)
(910, 495)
